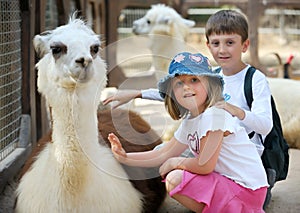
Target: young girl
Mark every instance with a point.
(226, 174)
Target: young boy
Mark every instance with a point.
(227, 39)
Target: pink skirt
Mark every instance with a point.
(220, 194)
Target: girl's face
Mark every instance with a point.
(190, 92)
(227, 51)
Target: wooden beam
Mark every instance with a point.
(253, 13)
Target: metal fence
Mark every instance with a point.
(10, 76)
(273, 21)
(127, 17)
(51, 19)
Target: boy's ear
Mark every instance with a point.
(207, 44)
(246, 45)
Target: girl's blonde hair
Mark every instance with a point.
(214, 88)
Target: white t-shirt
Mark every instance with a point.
(238, 159)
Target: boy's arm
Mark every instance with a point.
(124, 96)
(151, 94)
(259, 117)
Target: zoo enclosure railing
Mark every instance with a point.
(10, 76)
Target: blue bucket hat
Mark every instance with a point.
(186, 63)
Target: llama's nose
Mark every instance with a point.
(134, 27)
(84, 62)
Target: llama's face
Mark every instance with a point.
(69, 56)
(159, 20)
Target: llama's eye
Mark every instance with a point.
(94, 49)
(56, 50)
(148, 21)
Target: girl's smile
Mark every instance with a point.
(189, 95)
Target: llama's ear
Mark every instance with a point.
(40, 43)
(189, 23)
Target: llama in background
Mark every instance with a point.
(167, 32)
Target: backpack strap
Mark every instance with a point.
(217, 70)
(248, 85)
(248, 92)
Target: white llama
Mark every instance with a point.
(167, 32)
(75, 173)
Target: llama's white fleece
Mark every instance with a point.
(74, 173)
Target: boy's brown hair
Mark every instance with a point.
(227, 22)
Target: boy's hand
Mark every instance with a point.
(116, 147)
(232, 109)
(123, 96)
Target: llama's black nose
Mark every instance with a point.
(84, 62)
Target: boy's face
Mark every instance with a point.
(227, 49)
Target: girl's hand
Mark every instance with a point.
(123, 96)
(169, 165)
(116, 147)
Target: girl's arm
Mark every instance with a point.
(151, 158)
(205, 164)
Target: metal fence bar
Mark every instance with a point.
(10, 76)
